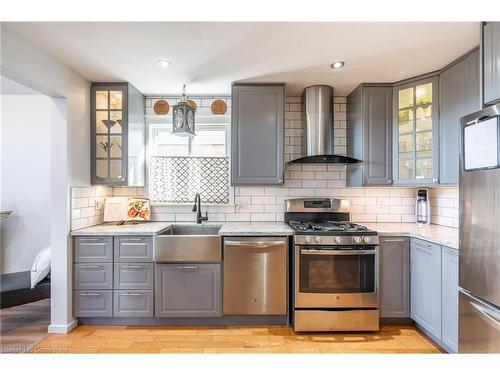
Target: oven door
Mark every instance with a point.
(333, 277)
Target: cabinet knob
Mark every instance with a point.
(435, 180)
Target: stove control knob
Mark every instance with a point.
(317, 240)
(338, 240)
(357, 239)
(307, 239)
(367, 239)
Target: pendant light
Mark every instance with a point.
(183, 117)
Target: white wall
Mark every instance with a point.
(70, 152)
(25, 179)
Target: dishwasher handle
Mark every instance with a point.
(260, 244)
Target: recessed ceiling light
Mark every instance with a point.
(164, 64)
(337, 64)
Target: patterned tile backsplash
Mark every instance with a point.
(266, 203)
(173, 178)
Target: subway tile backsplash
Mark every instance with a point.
(266, 203)
(87, 205)
(444, 206)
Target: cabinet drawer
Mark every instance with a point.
(95, 303)
(93, 276)
(133, 249)
(138, 303)
(93, 249)
(424, 244)
(133, 275)
(187, 290)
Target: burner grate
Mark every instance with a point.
(327, 226)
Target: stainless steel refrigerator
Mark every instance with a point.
(479, 254)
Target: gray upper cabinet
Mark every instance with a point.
(491, 62)
(458, 96)
(117, 135)
(425, 284)
(394, 277)
(257, 134)
(415, 132)
(449, 303)
(369, 138)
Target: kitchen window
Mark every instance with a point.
(180, 167)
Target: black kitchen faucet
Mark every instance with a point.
(197, 209)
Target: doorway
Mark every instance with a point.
(25, 224)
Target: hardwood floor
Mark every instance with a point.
(23, 326)
(244, 339)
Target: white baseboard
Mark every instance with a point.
(63, 328)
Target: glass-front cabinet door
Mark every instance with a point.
(415, 132)
(109, 134)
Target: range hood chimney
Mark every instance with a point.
(317, 125)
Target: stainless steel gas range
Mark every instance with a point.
(335, 267)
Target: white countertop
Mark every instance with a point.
(434, 233)
(256, 229)
(127, 229)
(155, 227)
(439, 234)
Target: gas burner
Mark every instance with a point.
(327, 226)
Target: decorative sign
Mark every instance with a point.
(219, 107)
(192, 104)
(161, 107)
(138, 209)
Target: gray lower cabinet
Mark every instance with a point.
(133, 303)
(449, 281)
(113, 276)
(491, 62)
(93, 249)
(394, 277)
(369, 127)
(187, 290)
(425, 284)
(133, 275)
(93, 276)
(257, 148)
(133, 249)
(93, 303)
(458, 96)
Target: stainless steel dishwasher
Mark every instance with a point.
(255, 276)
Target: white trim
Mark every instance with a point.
(63, 328)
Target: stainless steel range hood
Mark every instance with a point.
(317, 125)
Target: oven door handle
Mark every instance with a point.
(337, 252)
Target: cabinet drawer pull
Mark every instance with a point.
(392, 240)
(92, 266)
(133, 266)
(95, 294)
(188, 267)
(132, 294)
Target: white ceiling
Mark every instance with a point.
(209, 56)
